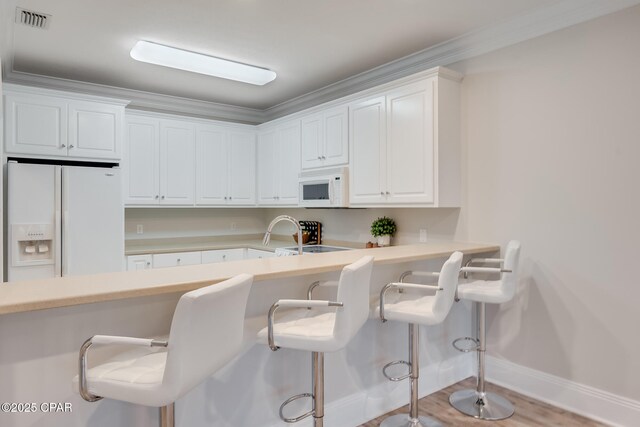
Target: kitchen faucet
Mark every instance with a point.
(267, 235)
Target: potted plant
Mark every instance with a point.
(383, 228)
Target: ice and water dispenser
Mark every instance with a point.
(32, 244)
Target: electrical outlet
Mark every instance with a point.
(139, 229)
(423, 235)
(234, 226)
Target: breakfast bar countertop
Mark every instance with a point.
(68, 291)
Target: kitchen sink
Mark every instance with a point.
(313, 249)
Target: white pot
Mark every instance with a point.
(384, 240)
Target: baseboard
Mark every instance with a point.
(368, 404)
(587, 401)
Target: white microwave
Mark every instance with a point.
(325, 188)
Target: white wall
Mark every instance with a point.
(552, 129)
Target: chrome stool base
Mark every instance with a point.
(403, 420)
(493, 407)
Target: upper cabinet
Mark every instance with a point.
(279, 164)
(159, 162)
(173, 162)
(405, 145)
(48, 123)
(325, 138)
(226, 166)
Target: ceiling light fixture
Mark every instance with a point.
(167, 56)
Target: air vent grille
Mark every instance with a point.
(32, 19)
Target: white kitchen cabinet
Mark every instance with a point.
(367, 181)
(139, 262)
(95, 130)
(324, 138)
(279, 164)
(177, 161)
(225, 166)
(258, 254)
(176, 259)
(223, 255)
(159, 162)
(54, 124)
(142, 161)
(405, 145)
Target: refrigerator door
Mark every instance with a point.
(33, 211)
(92, 221)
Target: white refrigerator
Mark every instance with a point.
(63, 221)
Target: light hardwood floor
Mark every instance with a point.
(529, 412)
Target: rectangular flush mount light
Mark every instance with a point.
(167, 56)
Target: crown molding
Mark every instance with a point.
(140, 100)
(509, 32)
(515, 30)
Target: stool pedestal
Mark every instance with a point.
(412, 419)
(479, 403)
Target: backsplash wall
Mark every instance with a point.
(338, 224)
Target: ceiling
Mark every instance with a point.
(310, 44)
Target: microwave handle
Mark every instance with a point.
(331, 195)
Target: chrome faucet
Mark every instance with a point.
(267, 235)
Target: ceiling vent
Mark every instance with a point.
(32, 19)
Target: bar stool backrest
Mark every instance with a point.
(353, 292)
(206, 332)
(511, 261)
(447, 281)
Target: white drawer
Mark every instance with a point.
(223, 255)
(139, 262)
(176, 259)
(256, 253)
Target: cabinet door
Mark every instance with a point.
(176, 259)
(368, 151)
(311, 142)
(267, 167)
(177, 163)
(336, 137)
(258, 254)
(35, 125)
(242, 168)
(141, 161)
(289, 163)
(212, 166)
(95, 130)
(410, 157)
(138, 262)
(223, 255)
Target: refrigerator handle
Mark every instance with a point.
(65, 220)
(58, 223)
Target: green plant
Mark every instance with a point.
(383, 226)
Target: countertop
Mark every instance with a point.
(187, 244)
(68, 291)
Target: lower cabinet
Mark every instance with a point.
(177, 259)
(223, 255)
(139, 262)
(256, 253)
(144, 262)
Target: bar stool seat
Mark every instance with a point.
(206, 333)
(408, 307)
(487, 291)
(304, 329)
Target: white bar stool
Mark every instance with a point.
(310, 326)
(479, 403)
(206, 333)
(417, 309)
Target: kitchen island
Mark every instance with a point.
(44, 322)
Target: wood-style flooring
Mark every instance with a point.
(529, 412)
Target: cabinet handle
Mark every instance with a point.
(224, 257)
(382, 193)
(162, 197)
(324, 158)
(319, 157)
(157, 196)
(229, 197)
(178, 260)
(388, 193)
(63, 146)
(71, 146)
(148, 263)
(225, 197)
